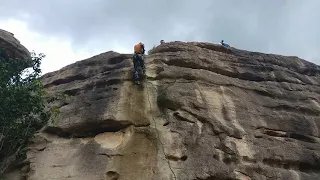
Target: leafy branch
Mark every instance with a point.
(22, 106)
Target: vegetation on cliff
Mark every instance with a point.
(22, 106)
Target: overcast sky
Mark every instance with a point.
(71, 30)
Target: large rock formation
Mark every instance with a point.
(205, 113)
(12, 46)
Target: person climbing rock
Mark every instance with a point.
(162, 42)
(138, 61)
(224, 44)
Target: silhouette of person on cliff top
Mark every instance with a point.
(224, 44)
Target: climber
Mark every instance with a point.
(162, 41)
(224, 44)
(138, 61)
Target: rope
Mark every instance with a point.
(158, 134)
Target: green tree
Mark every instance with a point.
(22, 106)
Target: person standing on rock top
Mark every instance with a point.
(138, 61)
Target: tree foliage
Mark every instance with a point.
(22, 106)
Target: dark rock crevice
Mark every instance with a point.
(95, 128)
(175, 158)
(77, 77)
(81, 77)
(285, 134)
(110, 155)
(92, 129)
(305, 167)
(112, 175)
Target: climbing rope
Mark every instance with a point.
(158, 134)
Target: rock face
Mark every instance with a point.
(205, 113)
(12, 46)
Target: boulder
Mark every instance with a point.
(205, 112)
(12, 46)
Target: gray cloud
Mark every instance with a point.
(273, 26)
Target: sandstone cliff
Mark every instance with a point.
(12, 46)
(205, 113)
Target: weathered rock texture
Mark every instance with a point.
(12, 46)
(205, 113)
